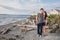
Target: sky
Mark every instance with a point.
(27, 6)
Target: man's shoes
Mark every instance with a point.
(39, 35)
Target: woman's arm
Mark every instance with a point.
(46, 20)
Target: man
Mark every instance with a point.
(41, 20)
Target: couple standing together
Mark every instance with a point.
(41, 20)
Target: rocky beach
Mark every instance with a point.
(24, 30)
(28, 19)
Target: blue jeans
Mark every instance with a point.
(39, 27)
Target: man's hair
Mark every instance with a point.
(41, 9)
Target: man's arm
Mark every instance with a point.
(37, 19)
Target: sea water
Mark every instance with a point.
(8, 18)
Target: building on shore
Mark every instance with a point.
(55, 11)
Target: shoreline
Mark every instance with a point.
(13, 22)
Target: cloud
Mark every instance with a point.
(10, 3)
(13, 10)
(24, 6)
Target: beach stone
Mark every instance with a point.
(1, 32)
(11, 39)
(3, 37)
(14, 25)
(17, 36)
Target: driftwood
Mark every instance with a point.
(26, 29)
(55, 29)
(7, 30)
